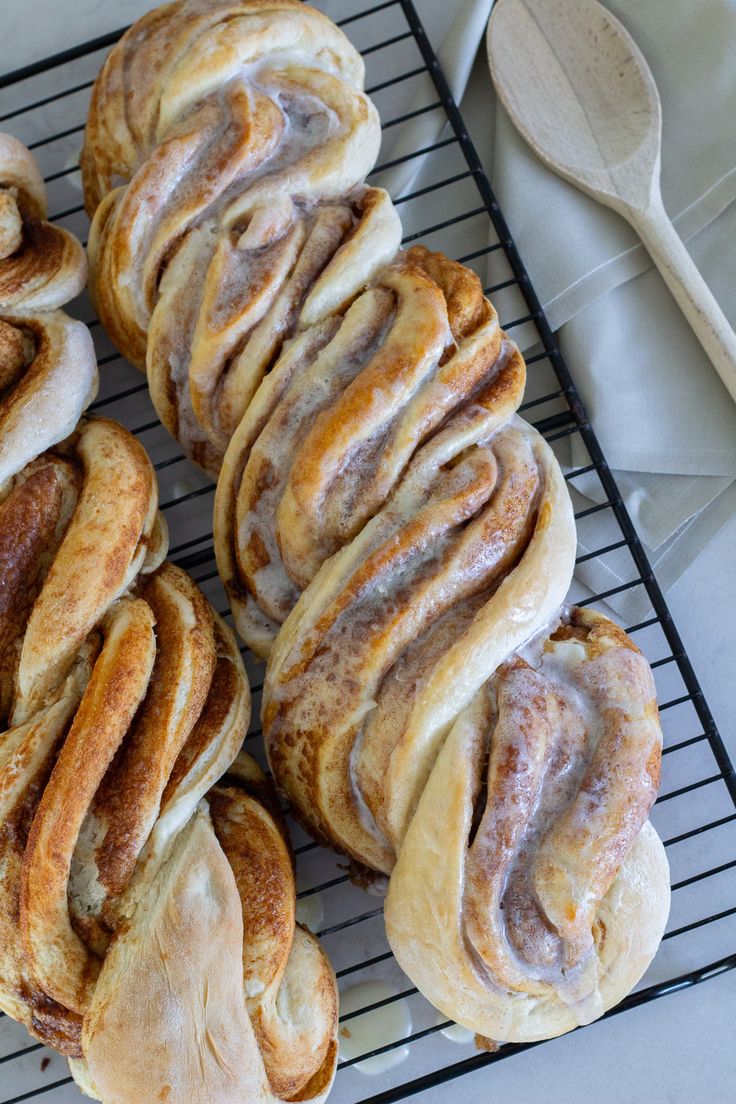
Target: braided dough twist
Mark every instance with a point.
(343, 418)
(223, 146)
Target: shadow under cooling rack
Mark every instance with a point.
(429, 163)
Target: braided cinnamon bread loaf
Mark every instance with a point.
(126, 702)
(147, 895)
(391, 534)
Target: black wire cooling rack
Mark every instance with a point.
(393, 1044)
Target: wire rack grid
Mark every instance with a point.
(393, 1043)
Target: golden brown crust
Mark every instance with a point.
(105, 545)
(261, 863)
(128, 799)
(57, 957)
(332, 429)
(283, 966)
(213, 742)
(467, 308)
(27, 757)
(33, 518)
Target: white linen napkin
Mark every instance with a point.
(666, 423)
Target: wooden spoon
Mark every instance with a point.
(579, 90)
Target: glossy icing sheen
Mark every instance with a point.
(555, 886)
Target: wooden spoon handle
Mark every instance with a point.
(693, 296)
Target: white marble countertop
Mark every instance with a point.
(678, 1049)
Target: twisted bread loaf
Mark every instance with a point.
(123, 702)
(127, 700)
(390, 533)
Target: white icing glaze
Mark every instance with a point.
(374, 1029)
(310, 911)
(183, 487)
(456, 1033)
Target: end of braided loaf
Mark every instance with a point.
(532, 831)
